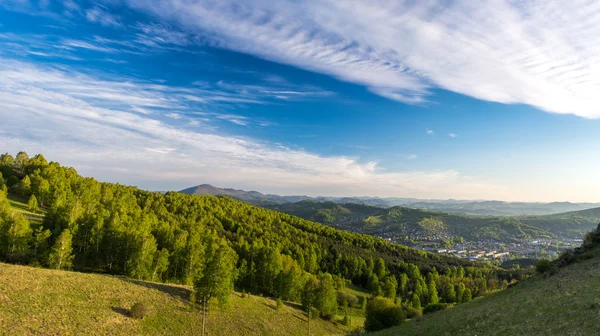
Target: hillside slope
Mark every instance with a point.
(40, 301)
(396, 222)
(567, 224)
(499, 208)
(252, 197)
(566, 303)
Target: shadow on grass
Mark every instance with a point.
(294, 305)
(269, 305)
(122, 311)
(175, 291)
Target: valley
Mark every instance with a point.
(485, 238)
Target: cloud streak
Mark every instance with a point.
(97, 134)
(541, 53)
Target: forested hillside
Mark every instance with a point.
(206, 240)
(402, 221)
(569, 224)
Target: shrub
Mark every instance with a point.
(591, 239)
(411, 312)
(139, 310)
(543, 265)
(433, 307)
(356, 331)
(350, 299)
(279, 304)
(346, 321)
(363, 302)
(382, 313)
(566, 258)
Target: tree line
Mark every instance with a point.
(217, 244)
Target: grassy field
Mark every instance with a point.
(49, 302)
(20, 204)
(567, 303)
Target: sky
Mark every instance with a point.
(425, 99)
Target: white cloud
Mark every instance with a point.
(101, 16)
(429, 132)
(411, 157)
(538, 52)
(452, 135)
(86, 45)
(173, 115)
(234, 119)
(53, 111)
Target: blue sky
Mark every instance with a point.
(379, 98)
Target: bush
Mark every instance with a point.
(279, 304)
(543, 265)
(363, 302)
(350, 299)
(411, 312)
(356, 331)
(139, 310)
(566, 258)
(591, 239)
(346, 321)
(382, 313)
(433, 307)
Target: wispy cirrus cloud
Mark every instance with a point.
(99, 135)
(541, 53)
(103, 17)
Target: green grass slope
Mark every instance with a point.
(566, 303)
(20, 204)
(49, 302)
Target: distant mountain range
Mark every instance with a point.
(495, 208)
(257, 198)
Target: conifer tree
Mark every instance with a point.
(460, 292)
(32, 204)
(433, 294)
(379, 268)
(416, 302)
(389, 286)
(467, 295)
(450, 294)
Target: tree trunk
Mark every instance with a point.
(309, 311)
(203, 315)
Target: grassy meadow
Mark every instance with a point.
(567, 303)
(20, 204)
(48, 302)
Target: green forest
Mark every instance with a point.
(217, 245)
(408, 221)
